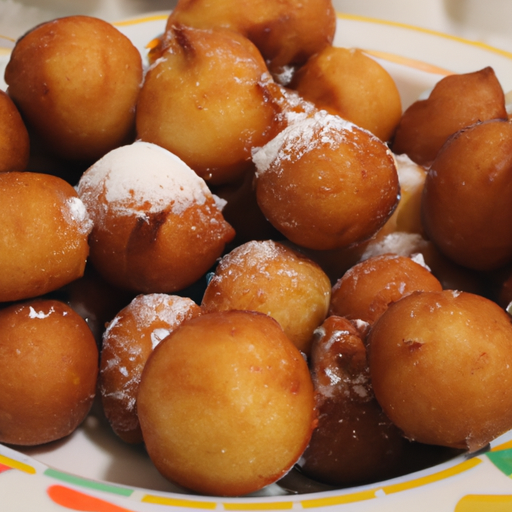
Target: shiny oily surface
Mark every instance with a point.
(93, 454)
(234, 426)
(439, 364)
(48, 362)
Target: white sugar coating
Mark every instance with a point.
(420, 260)
(221, 203)
(304, 133)
(338, 382)
(156, 63)
(292, 104)
(153, 307)
(398, 242)
(40, 314)
(75, 213)
(146, 310)
(142, 178)
(284, 77)
(254, 256)
(361, 325)
(410, 174)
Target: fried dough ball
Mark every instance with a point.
(440, 368)
(451, 275)
(325, 183)
(285, 32)
(49, 367)
(14, 139)
(457, 101)
(347, 82)
(43, 234)
(271, 278)
(466, 204)
(206, 100)
(127, 343)
(354, 442)
(405, 222)
(368, 288)
(76, 80)
(226, 403)
(157, 227)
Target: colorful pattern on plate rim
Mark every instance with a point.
(62, 493)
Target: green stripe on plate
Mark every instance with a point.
(89, 484)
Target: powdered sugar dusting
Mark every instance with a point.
(40, 314)
(400, 243)
(410, 174)
(125, 349)
(75, 212)
(420, 260)
(170, 309)
(331, 379)
(255, 257)
(304, 133)
(292, 103)
(220, 203)
(142, 178)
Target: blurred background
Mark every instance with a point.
(487, 22)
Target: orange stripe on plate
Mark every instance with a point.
(79, 501)
(411, 63)
(145, 19)
(477, 44)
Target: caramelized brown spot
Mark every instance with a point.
(413, 345)
(183, 40)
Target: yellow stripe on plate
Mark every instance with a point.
(476, 44)
(279, 505)
(339, 500)
(15, 464)
(504, 446)
(482, 502)
(391, 489)
(178, 502)
(441, 475)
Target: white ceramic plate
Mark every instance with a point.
(93, 471)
